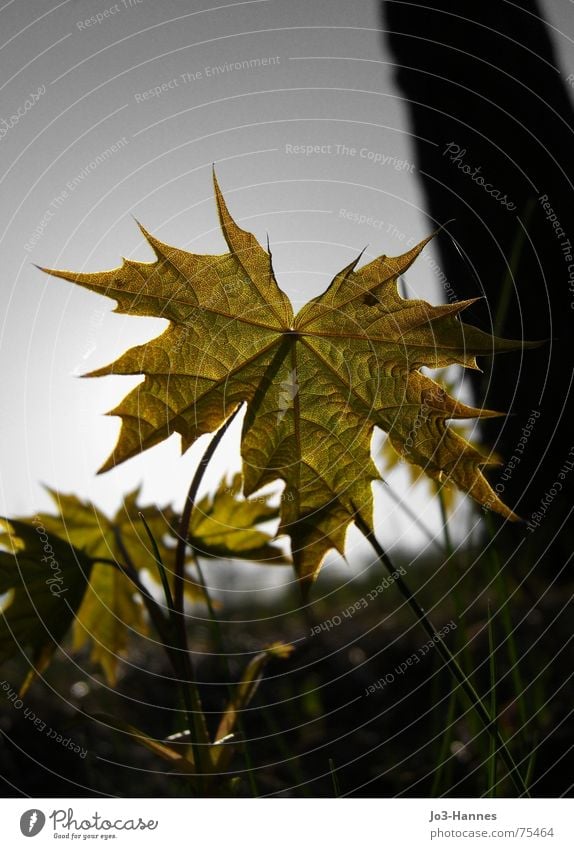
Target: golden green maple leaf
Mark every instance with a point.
(315, 384)
(108, 608)
(43, 580)
(111, 608)
(225, 525)
(392, 459)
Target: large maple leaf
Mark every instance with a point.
(314, 384)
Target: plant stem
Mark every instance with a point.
(216, 626)
(444, 760)
(334, 779)
(189, 690)
(183, 531)
(166, 635)
(151, 604)
(444, 518)
(448, 658)
(515, 255)
(497, 574)
(160, 565)
(202, 742)
(493, 707)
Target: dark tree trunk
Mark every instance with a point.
(486, 100)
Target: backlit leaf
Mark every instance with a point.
(314, 385)
(225, 525)
(43, 580)
(112, 609)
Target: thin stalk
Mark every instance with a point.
(515, 254)
(294, 764)
(152, 607)
(443, 756)
(190, 693)
(160, 566)
(448, 658)
(202, 739)
(531, 763)
(165, 630)
(179, 577)
(221, 649)
(448, 546)
(460, 639)
(334, 779)
(493, 708)
(503, 593)
(449, 550)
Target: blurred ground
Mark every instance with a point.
(320, 707)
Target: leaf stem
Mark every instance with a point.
(190, 694)
(515, 256)
(219, 641)
(493, 706)
(183, 531)
(151, 604)
(161, 624)
(334, 779)
(449, 659)
(444, 519)
(202, 741)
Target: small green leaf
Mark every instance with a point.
(112, 609)
(44, 579)
(224, 525)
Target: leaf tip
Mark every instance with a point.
(109, 463)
